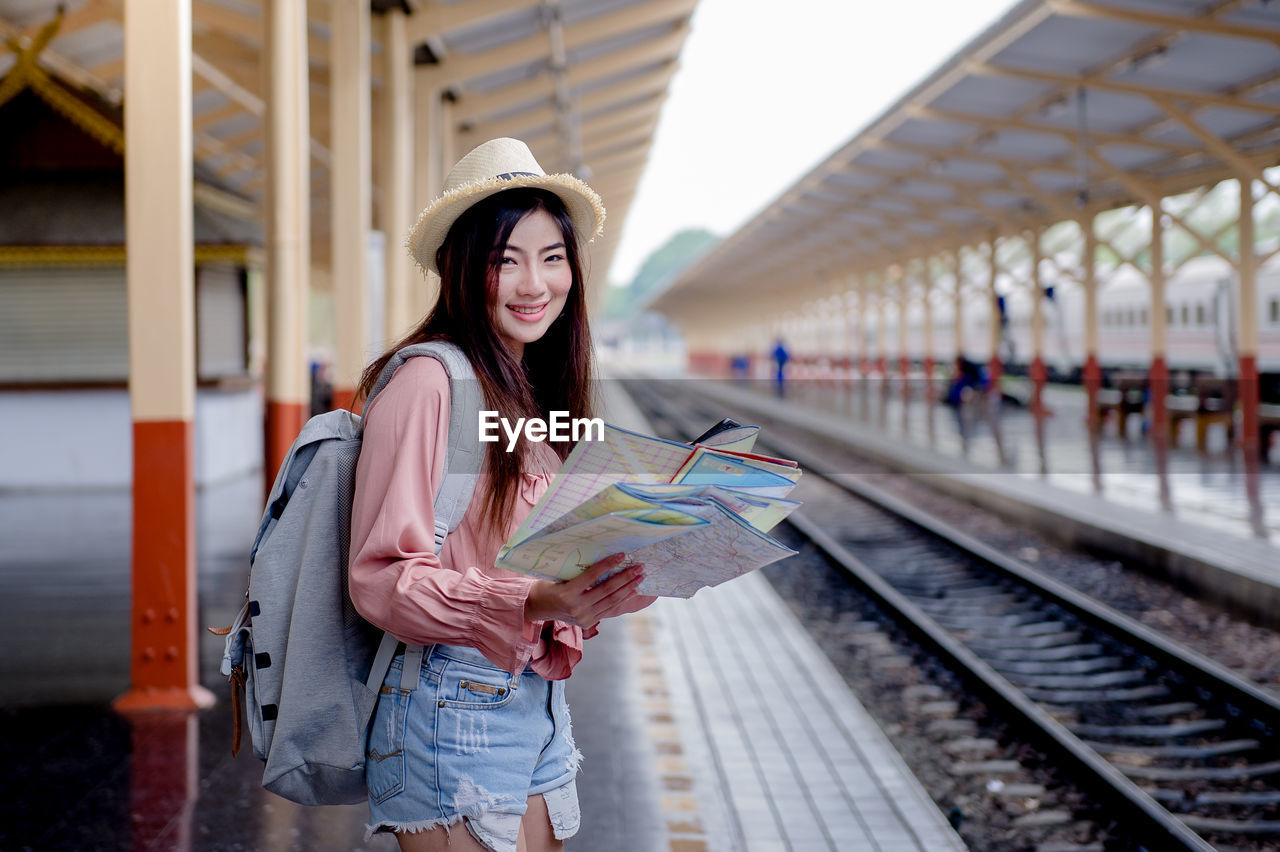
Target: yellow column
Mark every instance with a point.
(397, 198)
(161, 297)
(288, 225)
(428, 176)
(958, 296)
(1039, 372)
(1250, 437)
(351, 207)
(996, 366)
(1159, 375)
(1089, 268)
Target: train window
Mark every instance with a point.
(1168, 315)
(1275, 311)
(1200, 314)
(1131, 322)
(1186, 314)
(1142, 317)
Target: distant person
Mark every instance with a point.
(780, 358)
(480, 755)
(967, 381)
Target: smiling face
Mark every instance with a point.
(532, 281)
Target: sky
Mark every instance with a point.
(767, 90)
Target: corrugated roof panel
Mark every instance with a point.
(575, 11)
(1069, 45)
(1105, 111)
(621, 41)
(929, 191)
(856, 180)
(1200, 62)
(993, 96)
(887, 158)
(510, 75)
(92, 46)
(494, 32)
(929, 131)
(974, 171)
(1027, 145)
(1132, 156)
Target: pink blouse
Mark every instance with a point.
(458, 597)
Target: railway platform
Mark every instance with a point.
(1204, 516)
(709, 724)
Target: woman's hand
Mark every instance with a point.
(587, 599)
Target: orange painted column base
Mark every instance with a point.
(1039, 375)
(345, 398)
(995, 369)
(163, 670)
(1092, 384)
(284, 422)
(1250, 437)
(1159, 384)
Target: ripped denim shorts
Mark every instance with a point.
(474, 742)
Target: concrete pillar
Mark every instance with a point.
(1248, 331)
(397, 195)
(428, 177)
(958, 301)
(926, 279)
(351, 193)
(1039, 373)
(1159, 373)
(1088, 266)
(288, 226)
(162, 368)
(995, 367)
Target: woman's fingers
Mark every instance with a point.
(597, 570)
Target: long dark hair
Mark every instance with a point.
(554, 374)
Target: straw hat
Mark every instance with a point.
(490, 168)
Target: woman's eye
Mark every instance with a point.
(553, 258)
(508, 260)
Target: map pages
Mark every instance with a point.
(695, 515)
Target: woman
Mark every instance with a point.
(484, 740)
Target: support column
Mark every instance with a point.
(162, 361)
(1159, 373)
(1092, 371)
(288, 226)
(958, 296)
(1248, 299)
(926, 278)
(904, 336)
(397, 196)
(350, 176)
(428, 176)
(1039, 373)
(995, 366)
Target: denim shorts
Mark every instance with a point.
(470, 741)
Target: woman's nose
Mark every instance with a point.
(531, 282)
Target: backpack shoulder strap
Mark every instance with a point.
(464, 456)
(463, 459)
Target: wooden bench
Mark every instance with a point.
(1128, 395)
(1268, 425)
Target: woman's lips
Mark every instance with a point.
(528, 313)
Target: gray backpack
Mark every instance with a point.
(309, 666)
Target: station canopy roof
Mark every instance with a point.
(582, 81)
(1060, 108)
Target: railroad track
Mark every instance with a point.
(1184, 753)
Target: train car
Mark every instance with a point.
(1201, 314)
